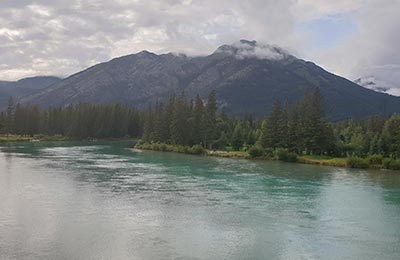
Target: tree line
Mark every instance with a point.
(79, 121)
(299, 128)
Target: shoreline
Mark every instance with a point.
(54, 138)
(33, 138)
(301, 159)
(341, 162)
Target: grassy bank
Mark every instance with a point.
(40, 137)
(323, 160)
(373, 162)
(29, 138)
(196, 149)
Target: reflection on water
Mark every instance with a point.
(107, 201)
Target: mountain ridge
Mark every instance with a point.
(24, 87)
(247, 77)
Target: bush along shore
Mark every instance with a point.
(257, 152)
(31, 138)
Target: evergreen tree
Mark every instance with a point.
(148, 125)
(10, 116)
(180, 127)
(198, 115)
(2, 122)
(275, 128)
(237, 137)
(210, 120)
(314, 130)
(391, 136)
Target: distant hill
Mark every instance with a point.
(247, 77)
(24, 87)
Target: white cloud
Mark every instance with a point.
(307, 10)
(9, 34)
(48, 37)
(373, 49)
(251, 49)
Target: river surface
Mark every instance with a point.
(106, 201)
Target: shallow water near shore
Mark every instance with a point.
(104, 200)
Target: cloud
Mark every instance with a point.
(47, 37)
(62, 37)
(373, 48)
(251, 49)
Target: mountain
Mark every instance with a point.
(24, 87)
(247, 77)
(379, 85)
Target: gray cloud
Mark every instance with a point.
(252, 49)
(61, 37)
(373, 49)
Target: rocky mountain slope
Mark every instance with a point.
(24, 87)
(247, 77)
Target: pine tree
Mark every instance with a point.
(159, 123)
(391, 136)
(314, 131)
(198, 120)
(210, 120)
(2, 122)
(180, 127)
(275, 128)
(10, 116)
(237, 137)
(148, 126)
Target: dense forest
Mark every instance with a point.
(288, 130)
(82, 121)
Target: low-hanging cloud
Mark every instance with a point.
(251, 49)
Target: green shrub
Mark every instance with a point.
(184, 149)
(357, 162)
(256, 151)
(375, 159)
(198, 149)
(163, 147)
(392, 164)
(269, 152)
(285, 155)
(139, 142)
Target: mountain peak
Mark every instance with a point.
(247, 42)
(245, 49)
(145, 53)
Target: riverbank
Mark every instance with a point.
(31, 138)
(281, 155)
(55, 138)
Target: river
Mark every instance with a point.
(104, 200)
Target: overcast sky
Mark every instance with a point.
(352, 38)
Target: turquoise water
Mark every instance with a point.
(107, 201)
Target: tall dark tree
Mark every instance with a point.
(391, 136)
(180, 127)
(198, 120)
(10, 115)
(275, 128)
(210, 120)
(314, 130)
